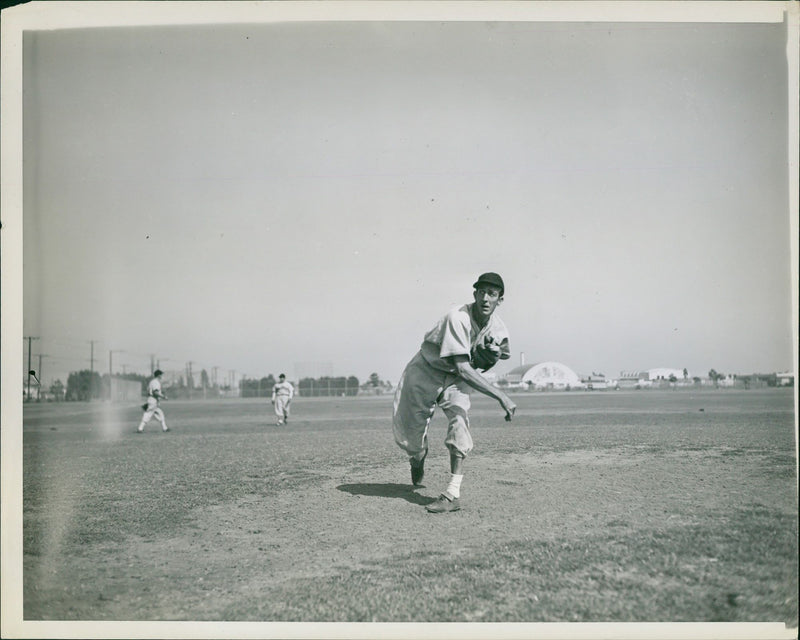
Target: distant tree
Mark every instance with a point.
(325, 385)
(267, 384)
(374, 379)
(83, 385)
(204, 379)
(57, 390)
(502, 382)
(771, 379)
(248, 387)
(685, 374)
(328, 386)
(305, 387)
(257, 387)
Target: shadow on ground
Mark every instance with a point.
(386, 490)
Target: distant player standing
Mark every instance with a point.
(282, 394)
(151, 407)
(443, 373)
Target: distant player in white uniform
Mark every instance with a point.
(444, 371)
(151, 407)
(282, 394)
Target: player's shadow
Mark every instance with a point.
(386, 490)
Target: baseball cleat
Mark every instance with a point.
(418, 470)
(139, 431)
(443, 505)
(165, 430)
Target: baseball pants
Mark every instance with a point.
(420, 390)
(153, 410)
(282, 407)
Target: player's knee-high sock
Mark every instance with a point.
(454, 485)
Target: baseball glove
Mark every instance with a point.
(486, 354)
(144, 407)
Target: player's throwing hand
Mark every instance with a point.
(509, 408)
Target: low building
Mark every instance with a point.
(726, 381)
(634, 380)
(595, 382)
(543, 376)
(126, 390)
(665, 373)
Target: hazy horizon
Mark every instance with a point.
(254, 196)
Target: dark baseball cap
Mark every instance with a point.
(491, 279)
(157, 373)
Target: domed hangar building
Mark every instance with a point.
(544, 375)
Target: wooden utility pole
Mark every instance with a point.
(29, 339)
(189, 378)
(91, 371)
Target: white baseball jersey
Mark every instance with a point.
(154, 388)
(457, 333)
(284, 389)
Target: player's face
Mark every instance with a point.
(486, 300)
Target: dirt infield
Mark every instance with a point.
(616, 506)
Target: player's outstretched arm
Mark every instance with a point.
(479, 383)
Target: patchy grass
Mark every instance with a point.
(684, 574)
(588, 507)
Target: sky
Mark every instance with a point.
(311, 197)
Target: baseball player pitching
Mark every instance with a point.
(282, 394)
(151, 408)
(469, 339)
